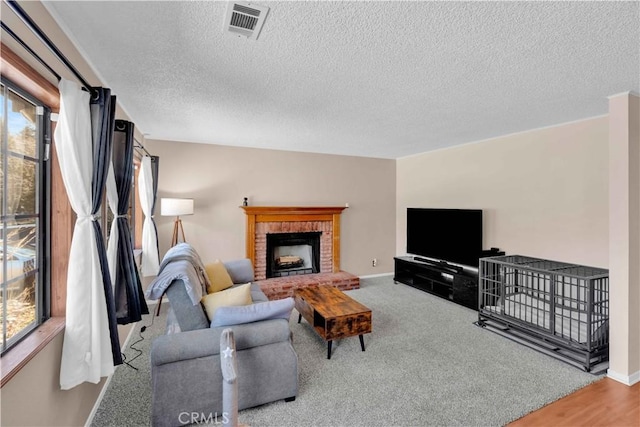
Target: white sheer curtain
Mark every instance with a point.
(150, 261)
(86, 350)
(112, 245)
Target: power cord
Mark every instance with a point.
(133, 347)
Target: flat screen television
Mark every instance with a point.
(453, 235)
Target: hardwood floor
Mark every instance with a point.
(603, 403)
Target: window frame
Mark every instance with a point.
(43, 208)
(135, 207)
(62, 222)
(135, 215)
(17, 70)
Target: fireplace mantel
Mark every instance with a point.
(293, 211)
(284, 214)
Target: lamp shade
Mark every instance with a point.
(176, 207)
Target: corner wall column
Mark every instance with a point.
(624, 238)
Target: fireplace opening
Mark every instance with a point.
(290, 254)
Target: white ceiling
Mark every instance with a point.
(374, 79)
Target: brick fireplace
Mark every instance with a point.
(263, 220)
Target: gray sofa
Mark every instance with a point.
(185, 367)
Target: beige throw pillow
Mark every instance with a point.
(238, 295)
(218, 277)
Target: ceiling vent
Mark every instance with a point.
(245, 19)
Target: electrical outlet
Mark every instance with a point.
(374, 263)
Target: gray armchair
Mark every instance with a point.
(185, 367)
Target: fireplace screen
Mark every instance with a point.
(290, 254)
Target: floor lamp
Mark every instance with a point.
(176, 207)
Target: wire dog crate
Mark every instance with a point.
(558, 308)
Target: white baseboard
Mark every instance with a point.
(624, 379)
(105, 387)
(369, 276)
(92, 414)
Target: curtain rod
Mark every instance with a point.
(28, 49)
(15, 7)
(141, 147)
(35, 29)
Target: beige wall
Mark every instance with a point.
(543, 193)
(218, 178)
(570, 193)
(634, 236)
(33, 395)
(624, 237)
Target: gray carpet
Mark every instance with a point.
(425, 363)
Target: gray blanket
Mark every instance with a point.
(180, 262)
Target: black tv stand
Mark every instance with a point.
(441, 264)
(438, 278)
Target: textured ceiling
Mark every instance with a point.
(374, 79)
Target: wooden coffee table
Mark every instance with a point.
(332, 313)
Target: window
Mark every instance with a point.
(134, 215)
(24, 196)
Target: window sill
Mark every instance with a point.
(18, 356)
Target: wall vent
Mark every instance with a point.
(245, 19)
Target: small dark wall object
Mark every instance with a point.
(492, 252)
(245, 202)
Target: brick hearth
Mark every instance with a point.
(283, 287)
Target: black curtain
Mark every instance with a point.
(130, 303)
(155, 164)
(103, 107)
